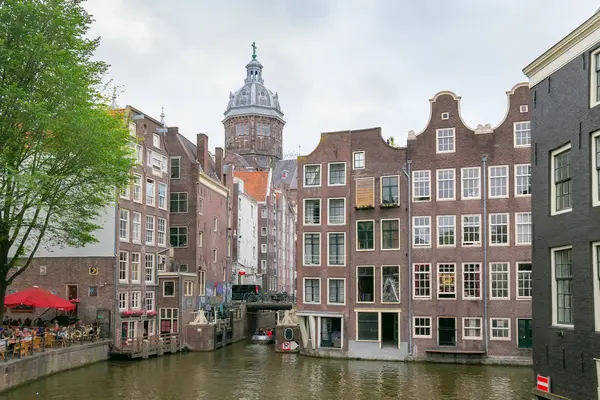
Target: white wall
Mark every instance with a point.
(247, 236)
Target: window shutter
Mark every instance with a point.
(365, 192)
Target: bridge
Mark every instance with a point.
(267, 301)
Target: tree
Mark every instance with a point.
(62, 151)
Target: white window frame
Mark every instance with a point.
(354, 154)
(312, 199)
(263, 248)
(437, 230)
(188, 288)
(463, 172)
(320, 175)
(491, 275)
(553, 155)
(163, 242)
(397, 202)
(178, 200)
(516, 178)
(135, 198)
(174, 288)
(152, 258)
(150, 200)
(156, 140)
(464, 328)
(124, 212)
(179, 168)
(136, 300)
(381, 234)
(414, 181)
(329, 209)
(136, 228)
(553, 283)
(345, 249)
(356, 247)
(414, 332)
(414, 279)
(504, 339)
(153, 230)
(329, 173)
(201, 283)
(126, 270)
(445, 115)
(505, 176)
(437, 140)
(595, 171)
(462, 230)
(345, 290)
(517, 224)
(437, 184)
(515, 124)
(463, 281)
(593, 79)
(437, 282)
(507, 230)
(518, 279)
(163, 198)
(382, 284)
(304, 249)
(149, 301)
(523, 108)
(357, 292)
(123, 300)
(304, 290)
(126, 191)
(595, 267)
(137, 268)
(414, 236)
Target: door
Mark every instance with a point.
(525, 334)
(396, 329)
(72, 292)
(447, 331)
(124, 329)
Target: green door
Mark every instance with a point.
(396, 329)
(525, 336)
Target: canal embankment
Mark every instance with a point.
(18, 371)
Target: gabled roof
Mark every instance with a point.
(191, 148)
(256, 183)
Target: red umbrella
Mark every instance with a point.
(37, 297)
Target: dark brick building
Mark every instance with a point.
(565, 98)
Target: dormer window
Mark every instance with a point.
(156, 141)
(284, 174)
(445, 115)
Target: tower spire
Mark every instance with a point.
(162, 117)
(113, 104)
(254, 50)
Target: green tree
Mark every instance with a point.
(62, 151)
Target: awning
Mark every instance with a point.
(37, 297)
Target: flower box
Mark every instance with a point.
(389, 205)
(365, 207)
(75, 301)
(151, 313)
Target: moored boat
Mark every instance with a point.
(262, 339)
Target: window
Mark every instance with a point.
(562, 286)
(155, 160)
(596, 169)
(200, 239)
(168, 318)
(389, 190)
(445, 184)
(445, 140)
(471, 230)
(135, 267)
(202, 283)
(178, 236)
(445, 115)
(471, 281)
(595, 78)
(472, 329)
(137, 188)
(175, 167)
(365, 284)
(136, 300)
(522, 134)
(524, 280)
(421, 185)
(161, 263)
(312, 175)
(337, 249)
(560, 171)
(242, 130)
(263, 231)
(179, 202)
(500, 328)
(523, 222)
(336, 291)
(156, 141)
(263, 129)
(365, 235)
(216, 224)
(188, 288)
(471, 182)
(123, 266)
(368, 326)
(201, 206)
(149, 297)
(312, 291)
(169, 289)
(336, 211)
(126, 191)
(523, 108)
(150, 230)
(422, 327)
(93, 291)
(162, 196)
(123, 301)
(150, 192)
(358, 160)
(136, 227)
(499, 281)
(421, 231)
(446, 227)
(312, 211)
(161, 232)
(422, 281)
(498, 182)
(263, 248)
(390, 234)
(446, 281)
(365, 192)
(149, 268)
(498, 229)
(390, 284)
(139, 154)
(124, 225)
(523, 180)
(312, 249)
(337, 174)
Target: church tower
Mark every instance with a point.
(253, 120)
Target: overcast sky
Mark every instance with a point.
(336, 64)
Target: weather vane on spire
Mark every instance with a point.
(254, 50)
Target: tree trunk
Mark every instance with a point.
(4, 268)
(3, 287)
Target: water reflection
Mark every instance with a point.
(253, 372)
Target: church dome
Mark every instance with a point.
(254, 98)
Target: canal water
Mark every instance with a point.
(249, 372)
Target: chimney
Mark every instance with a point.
(219, 163)
(202, 151)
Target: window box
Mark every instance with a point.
(364, 207)
(389, 205)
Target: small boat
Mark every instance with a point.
(262, 339)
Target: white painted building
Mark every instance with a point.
(246, 259)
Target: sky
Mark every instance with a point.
(336, 64)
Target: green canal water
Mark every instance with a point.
(249, 372)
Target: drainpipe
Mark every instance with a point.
(116, 278)
(484, 222)
(407, 172)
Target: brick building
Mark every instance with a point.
(351, 252)
(565, 98)
(244, 246)
(471, 232)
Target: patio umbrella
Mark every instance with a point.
(37, 297)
